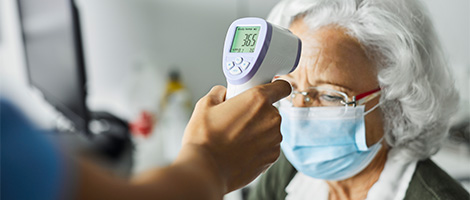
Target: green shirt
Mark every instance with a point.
(428, 182)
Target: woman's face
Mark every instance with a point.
(332, 59)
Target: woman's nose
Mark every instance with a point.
(300, 100)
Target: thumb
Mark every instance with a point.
(277, 90)
(216, 95)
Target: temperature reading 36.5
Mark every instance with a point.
(244, 39)
(250, 40)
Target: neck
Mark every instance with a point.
(358, 186)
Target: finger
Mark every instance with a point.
(286, 77)
(217, 94)
(277, 90)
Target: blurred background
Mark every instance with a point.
(149, 61)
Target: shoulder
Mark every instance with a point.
(431, 182)
(272, 184)
(29, 154)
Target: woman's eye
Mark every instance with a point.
(331, 98)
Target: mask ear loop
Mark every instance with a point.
(362, 144)
(381, 140)
(366, 148)
(372, 109)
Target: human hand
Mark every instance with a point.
(240, 137)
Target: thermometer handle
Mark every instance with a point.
(234, 90)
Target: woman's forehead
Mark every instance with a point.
(330, 55)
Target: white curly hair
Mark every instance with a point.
(419, 95)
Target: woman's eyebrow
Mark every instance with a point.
(319, 82)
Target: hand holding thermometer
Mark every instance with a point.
(255, 51)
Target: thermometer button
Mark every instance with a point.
(235, 71)
(230, 65)
(238, 60)
(245, 65)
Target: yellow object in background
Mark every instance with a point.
(174, 85)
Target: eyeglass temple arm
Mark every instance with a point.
(366, 96)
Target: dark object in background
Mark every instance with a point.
(174, 74)
(54, 56)
(111, 136)
(56, 67)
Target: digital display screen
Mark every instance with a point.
(245, 39)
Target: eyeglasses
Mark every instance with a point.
(326, 97)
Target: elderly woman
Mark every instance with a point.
(371, 101)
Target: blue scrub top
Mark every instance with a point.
(32, 165)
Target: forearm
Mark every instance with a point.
(97, 183)
(192, 176)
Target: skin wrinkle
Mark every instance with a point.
(332, 58)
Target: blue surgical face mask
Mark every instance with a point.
(326, 142)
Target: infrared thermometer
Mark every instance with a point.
(255, 51)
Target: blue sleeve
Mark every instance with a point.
(32, 167)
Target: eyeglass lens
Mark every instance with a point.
(317, 97)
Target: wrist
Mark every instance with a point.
(200, 162)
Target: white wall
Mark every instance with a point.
(452, 22)
(181, 33)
